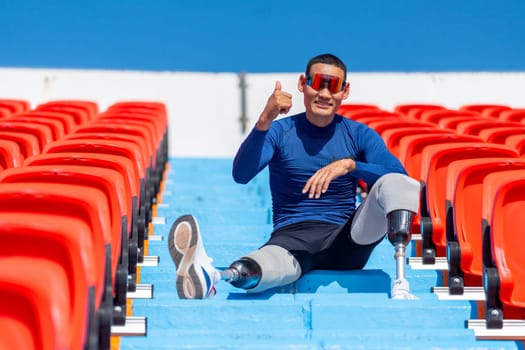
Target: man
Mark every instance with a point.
(315, 160)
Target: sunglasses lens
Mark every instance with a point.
(321, 81)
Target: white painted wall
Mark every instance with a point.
(204, 108)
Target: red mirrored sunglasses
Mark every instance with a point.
(320, 81)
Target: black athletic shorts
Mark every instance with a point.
(322, 246)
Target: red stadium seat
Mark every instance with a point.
(411, 148)
(67, 242)
(393, 137)
(435, 161)
(415, 110)
(10, 156)
(5, 112)
(55, 126)
(452, 121)
(517, 142)
(355, 106)
(126, 149)
(349, 113)
(463, 217)
(494, 111)
(107, 161)
(126, 131)
(158, 108)
(436, 115)
(364, 115)
(111, 183)
(90, 108)
(19, 333)
(383, 125)
(154, 124)
(80, 115)
(28, 143)
(82, 203)
(513, 115)
(503, 241)
(155, 110)
(140, 150)
(42, 132)
(148, 109)
(475, 127)
(15, 105)
(500, 133)
(67, 120)
(36, 301)
(480, 107)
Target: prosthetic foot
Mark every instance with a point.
(399, 223)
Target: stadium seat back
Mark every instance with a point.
(65, 241)
(29, 144)
(10, 156)
(42, 132)
(513, 115)
(434, 165)
(414, 110)
(464, 211)
(55, 126)
(503, 204)
(394, 136)
(106, 181)
(500, 133)
(517, 142)
(67, 120)
(476, 126)
(89, 205)
(15, 105)
(90, 108)
(36, 299)
(381, 125)
(411, 148)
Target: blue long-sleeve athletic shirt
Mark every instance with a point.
(294, 149)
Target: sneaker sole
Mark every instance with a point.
(182, 243)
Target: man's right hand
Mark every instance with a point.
(279, 102)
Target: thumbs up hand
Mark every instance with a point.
(279, 102)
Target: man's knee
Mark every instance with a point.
(398, 191)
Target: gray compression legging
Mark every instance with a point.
(390, 192)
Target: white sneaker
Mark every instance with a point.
(401, 290)
(196, 276)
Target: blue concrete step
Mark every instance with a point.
(322, 310)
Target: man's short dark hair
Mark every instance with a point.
(326, 58)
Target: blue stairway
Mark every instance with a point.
(323, 310)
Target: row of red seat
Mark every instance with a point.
(77, 189)
(470, 163)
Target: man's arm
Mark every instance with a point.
(254, 153)
(377, 161)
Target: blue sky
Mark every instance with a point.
(263, 36)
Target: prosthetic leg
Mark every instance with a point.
(244, 273)
(399, 223)
(279, 265)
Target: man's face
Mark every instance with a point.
(320, 102)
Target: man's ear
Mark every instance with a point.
(346, 91)
(301, 83)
